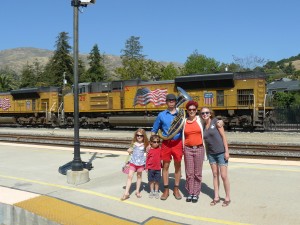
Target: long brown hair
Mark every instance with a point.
(143, 132)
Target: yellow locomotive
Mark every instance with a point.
(237, 98)
(29, 106)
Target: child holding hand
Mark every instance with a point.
(137, 161)
(153, 165)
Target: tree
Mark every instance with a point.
(31, 75)
(232, 67)
(296, 75)
(132, 69)
(28, 78)
(289, 69)
(97, 70)
(197, 63)
(133, 63)
(282, 99)
(250, 62)
(153, 70)
(8, 79)
(60, 62)
(5, 83)
(170, 72)
(133, 49)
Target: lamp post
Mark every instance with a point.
(77, 175)
(77, 163)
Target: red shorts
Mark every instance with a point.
(136, 168)
(171, 148)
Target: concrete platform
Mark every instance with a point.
(263, 192)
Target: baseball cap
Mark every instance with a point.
(170, 97)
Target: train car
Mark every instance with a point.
(119, 103)
(30, 106)
(239, 99)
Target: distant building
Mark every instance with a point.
(283, 85)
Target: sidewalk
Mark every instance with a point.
(260, 192)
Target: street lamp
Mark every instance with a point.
(77, 174)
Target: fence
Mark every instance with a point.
(287, 119)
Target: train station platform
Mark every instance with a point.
(32, 192)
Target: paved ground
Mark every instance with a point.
(263, 192)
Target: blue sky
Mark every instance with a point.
(169, 30)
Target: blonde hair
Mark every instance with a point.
(212, 114)
(143, 132)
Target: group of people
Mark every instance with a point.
(201, 137)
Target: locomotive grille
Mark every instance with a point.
(245, 97)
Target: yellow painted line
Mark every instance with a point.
(199, 218)
(262, 168)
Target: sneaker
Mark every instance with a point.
(152, 194)
(189, 198)
(195, 198)
(156, 194)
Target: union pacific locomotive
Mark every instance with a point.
(239, 99)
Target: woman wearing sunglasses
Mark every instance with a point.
(194, 152)
(217, 153)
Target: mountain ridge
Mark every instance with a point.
(17, 58)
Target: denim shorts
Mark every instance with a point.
(154, 175)
(218, 159)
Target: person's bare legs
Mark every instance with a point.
(156, 186)
(138, 184)
(176, 192)
(165, 175)
(177, 166)
(224, 176)
(165, 172)
(152, 184)
(128, 185)
(216, 182)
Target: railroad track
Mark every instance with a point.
(237, 150)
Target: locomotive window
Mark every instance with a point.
(33, 104)
(220, 97)
(245, 97)
(81, 90)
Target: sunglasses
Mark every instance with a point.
(192, 110)
(155, 142)
(202, 113)
(139, 135)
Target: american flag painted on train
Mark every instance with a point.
(144, 95)
(208, 98)
(4, 103)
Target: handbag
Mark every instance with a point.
(125, 167)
